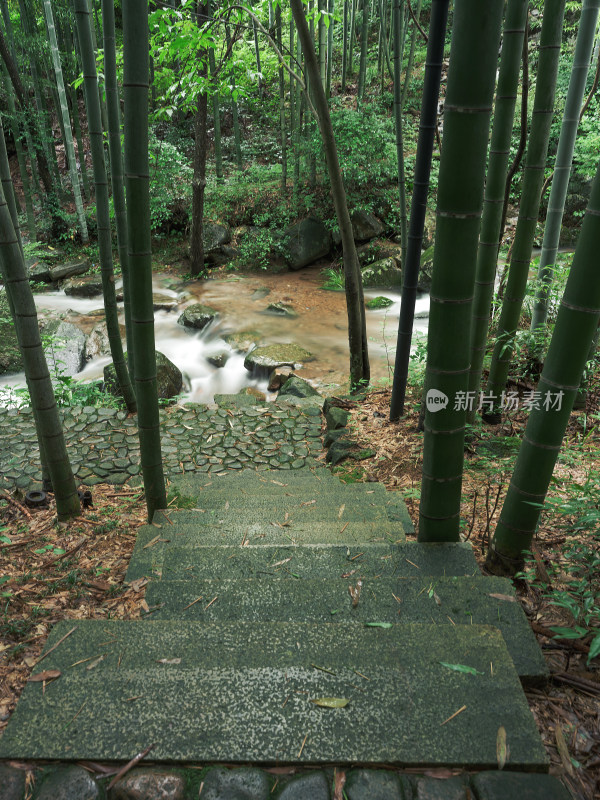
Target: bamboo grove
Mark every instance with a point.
(96, 72)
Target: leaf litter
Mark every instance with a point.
(84, 581)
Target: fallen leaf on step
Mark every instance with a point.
(378, 625)
(331, 702)
(501, 747)
(355, 593)
(46, 675)
(168, 661)
(339, 779)
(96, 661)
(509, 598)
(461, 668)
(341, 511)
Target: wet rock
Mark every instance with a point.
(333, 435)
(12, 782)
(142, 784)
(377, 250)
(168, 376)
(38, 271)
(214, 235)
(88, 286)
(336, 418)
(375, 303)
(97, 343)
(242, 340)
(339, 450)
(383, 273)
(313, 786)
(276, 355)
(278, 378)
(164, 302)
(370, 784)
(426, 270)
(197, 316)
(449, 789)
(500, 785)
(62, 271)
(64, 346)
(10, 355)
(261, 292)
(68, 783)
(219, 359)
(297, 387)
(365, 225)
(305, 242)
(280, 310)
(235, 784)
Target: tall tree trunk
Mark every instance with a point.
(411, 263)
(28, 109)
(237, 139)
(66, 122)
(52, 444)
(398, 34)
(92, 100)
(564, 158)
(489, 237)
(216, 112)
(411, 53)
(467, 110)
(116, 167)
(21, 162)
(357, 332)
(364, 43)
(543, 111)
(282, 126)
(137, 183)
(352, 36)
(345, 45)
(574, 331)
(199, 179)
(322, 35)
(331, 10)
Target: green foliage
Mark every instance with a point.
(257, 248)
(375, 303)
(334, 279)
(170, 187)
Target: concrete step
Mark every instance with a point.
(166, 556)
(440, 601)
(242, 692)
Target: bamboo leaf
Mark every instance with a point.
(46, 675)
(378, 625)
(461, 668)
(501, 749)
(331, 702)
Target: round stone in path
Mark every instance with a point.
(144, 783)
(68, 783)
(235, 784)
(306, 787)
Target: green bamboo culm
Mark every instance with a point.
(216, 112)
(533, 178)
(564, 158)
(418, 208)
(52, 442)
(137, 184)
(398, 24)
(469, 95)
(66, 122)
(574, 330)
(331, 7)
(113, 115)
(411, 53)
(364, 42)
(491, 220)
(92, 102)
(8, 188)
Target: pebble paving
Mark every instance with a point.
(104, 447)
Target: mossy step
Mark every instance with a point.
(152, 541)
(271, 514)
(442, 601)
(242, 692)
(172, 560)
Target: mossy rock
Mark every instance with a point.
(10, 355)
(273, 356)
(197, 316)
(375, 303)
(169, 379)
(384, 272)
(297, 387)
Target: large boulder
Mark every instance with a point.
(197, 316)
(426, 270)
(64, 345)
(10, 355)
(297, 387)
(271, 356)
(97, 343)
(168, 376)
(242, 341)
(382, 274)
(87, 286)
(214, 239)
(38, 271)
(305, 242)
(61, 272)
(365, 225)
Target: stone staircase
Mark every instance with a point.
(278, 595)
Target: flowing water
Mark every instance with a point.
(320, 327)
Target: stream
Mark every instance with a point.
(320, 327)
